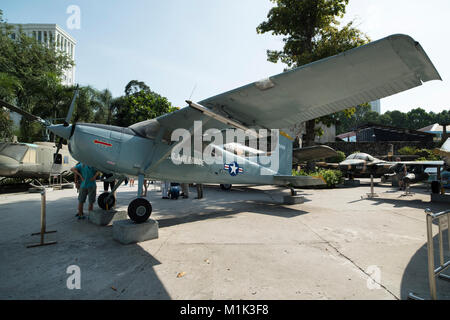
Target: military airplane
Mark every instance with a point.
(363, 165)
(33, 160)
(444, 152)
(373, 71)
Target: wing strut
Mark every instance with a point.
(218, 117)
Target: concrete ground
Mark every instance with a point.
(241, 244)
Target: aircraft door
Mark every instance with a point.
(114, 152)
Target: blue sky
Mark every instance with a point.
(176, 45)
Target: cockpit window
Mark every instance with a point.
(148, 129)
(14, 151)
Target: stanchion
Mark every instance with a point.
(433, 272)
(43, 224)
(372, 193)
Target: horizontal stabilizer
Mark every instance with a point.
(312, 153)
(299, 181)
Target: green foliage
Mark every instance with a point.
(30, 77)
(338, 158)
(331, 177)
(28, 72)
(415, 119)
(427, 155)
(6, 126)
(139, 104)
(407, 150)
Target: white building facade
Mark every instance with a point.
(48, 34)
(375, 106)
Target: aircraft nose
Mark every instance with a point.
(60, 130)
(8, 166)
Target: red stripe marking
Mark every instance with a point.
(102, 143)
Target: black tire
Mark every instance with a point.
(225, 187)
(102, 201)
(139, 210)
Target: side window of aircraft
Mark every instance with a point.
(57, 158)
(14, 151)
(30, 156)
(66, 159)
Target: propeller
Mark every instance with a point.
(24, 113)
(64, 131)
(66, 123)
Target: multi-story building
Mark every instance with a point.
(376, 106)
(49, 34)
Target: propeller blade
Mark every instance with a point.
(24, 113)
(72, 106)
(58, 147)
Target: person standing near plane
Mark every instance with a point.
(88, 186)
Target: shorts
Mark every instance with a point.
(84, 192)
(107, 184)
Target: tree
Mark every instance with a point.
(310, 30)
(29, 70)
(138, 104)
(135, 86)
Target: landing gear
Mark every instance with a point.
(139, 210)
(225, 187)
(106, 201)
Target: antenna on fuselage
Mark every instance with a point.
(193, 90)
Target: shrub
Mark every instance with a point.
(407, 150)
(338, 158)
(330, 176)
(427, 155)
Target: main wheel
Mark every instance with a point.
(106, 205)
(225, 187)
(139, 210)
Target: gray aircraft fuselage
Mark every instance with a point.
(32, 160)
(123, 152)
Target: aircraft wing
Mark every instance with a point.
(422, 163)
(370, 72)
(312, 153)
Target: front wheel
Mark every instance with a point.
(139, 210)
(106, 204)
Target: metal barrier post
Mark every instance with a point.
(43, 224)
(432, 272)
(372, 193)
(430, 251)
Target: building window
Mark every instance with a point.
(39, 36)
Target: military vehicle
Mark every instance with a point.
(34, 160)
